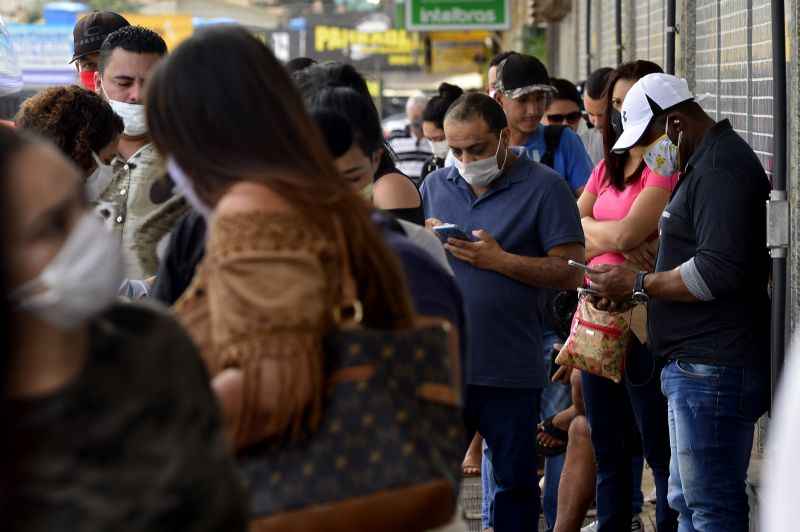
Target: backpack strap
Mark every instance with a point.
(552, 139)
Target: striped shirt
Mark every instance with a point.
(412, 153)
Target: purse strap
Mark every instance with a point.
(349, 311)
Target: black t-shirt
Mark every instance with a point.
(414, 215)
(133, 443)
(717, 218)
(187, 246)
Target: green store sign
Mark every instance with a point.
(443, 15)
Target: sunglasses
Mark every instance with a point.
(569, 117)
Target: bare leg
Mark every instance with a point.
(577, 486)
(471, 467)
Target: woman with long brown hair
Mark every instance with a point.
(225, 114)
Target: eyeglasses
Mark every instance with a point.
(569, 117)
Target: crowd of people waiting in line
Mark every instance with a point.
(181, 231)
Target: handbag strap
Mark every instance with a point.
(349, 311)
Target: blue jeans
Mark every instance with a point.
(615, 412)
(506, 418)
(712, 415)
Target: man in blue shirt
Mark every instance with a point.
(524, 91)
(525, 226)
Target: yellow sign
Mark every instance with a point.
(457, 52)
(173, 28)
(400, 47)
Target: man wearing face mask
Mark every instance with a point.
(523, 224)
(708, 306)
(524, 90)
(139, 204)
(89, 33)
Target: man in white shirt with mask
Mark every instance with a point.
(139, 204)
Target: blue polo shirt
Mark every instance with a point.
(571, 158)
(529, 210)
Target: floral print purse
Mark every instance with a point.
(598, 341)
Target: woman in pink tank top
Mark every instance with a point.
(621, 207)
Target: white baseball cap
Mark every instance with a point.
(649, 96)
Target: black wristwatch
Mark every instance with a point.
(639, 294)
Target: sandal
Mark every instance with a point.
(551, 430)
(471, 470)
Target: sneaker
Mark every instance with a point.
(636, 525)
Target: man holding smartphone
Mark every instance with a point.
(708, 306)
(526, 227)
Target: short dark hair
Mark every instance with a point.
(499, 58)
(479, 105)
(565, 90)
(331, 74)
(437, 107)
(78, 121)
(299, 63)
(358, 110)
(136, 39)
(597, 83)
(336, 130)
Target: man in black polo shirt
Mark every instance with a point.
(708, 300)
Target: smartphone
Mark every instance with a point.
(446, 231)
(581, 266)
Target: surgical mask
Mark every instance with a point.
(80, 282)
(132, 114)
(616, 122)
(662, 156)
(183, 185)
(99, 180)
(482, 173)
(87, 80)
(439, 148)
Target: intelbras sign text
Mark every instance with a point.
(437, 15)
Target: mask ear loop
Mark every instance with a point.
(505, 159)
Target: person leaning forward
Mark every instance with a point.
(525, 226)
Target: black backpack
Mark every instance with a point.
(559, 305)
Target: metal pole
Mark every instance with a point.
(588, 37)
(778, 203)
(618, 29)
(669, 62)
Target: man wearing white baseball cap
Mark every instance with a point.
(708, 300)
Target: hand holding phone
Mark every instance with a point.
(581, 266)
(446, 231)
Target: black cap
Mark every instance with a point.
(520, 71)
(91, 30)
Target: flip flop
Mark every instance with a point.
(551, 430)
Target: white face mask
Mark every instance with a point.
(662, 156)
(183, 185)
(99, 180)
(80, 282)
(439, 148)
(481, 173)
(132, 115)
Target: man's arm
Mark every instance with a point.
(551, 271)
